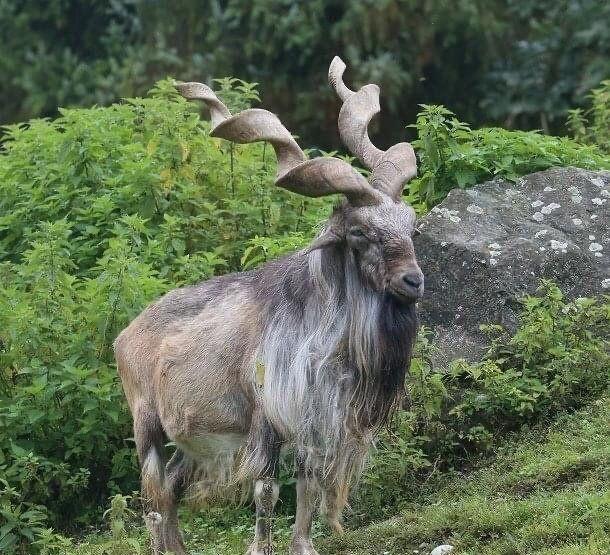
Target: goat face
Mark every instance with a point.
(379, 241)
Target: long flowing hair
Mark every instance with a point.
(335, 354)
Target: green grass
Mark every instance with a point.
(544, 492)
(541, 495)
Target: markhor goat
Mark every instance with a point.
(309, 351)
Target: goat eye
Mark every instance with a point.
(356, 232)
(416, 232)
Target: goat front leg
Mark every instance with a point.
(335, 499)
(306, 505)
(266, 493)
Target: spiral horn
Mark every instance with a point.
(390, 169)
(313, 178)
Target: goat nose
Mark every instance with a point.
(414, 280)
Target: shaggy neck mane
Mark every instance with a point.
(376, 339)
(335, 355)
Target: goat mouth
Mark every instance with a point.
(407, 294)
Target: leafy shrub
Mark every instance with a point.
(593, 125)
(62, 418)
(22, 521)
(453, 155)
(147, 169)
(558, 359)
(102, 210)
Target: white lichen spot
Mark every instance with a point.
(598, 254)
(594, 216)
(558, 245)
(548, 189)
(574, 190)
(541, 233)
(495, 254)
(576, 221)
(595, 247)
(605, 193)
(494, 246)
(474, 209)
(576, 199)
(447, 214)
(443, 243)
(591, 237)
(538, 216)
(599, 201)
(537, 203)
(550, 207)
(598, 181)
(492, 261)
(606, 283)
(541, 249)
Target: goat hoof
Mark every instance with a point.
(336, 527)
(302, 548)
(254, 549)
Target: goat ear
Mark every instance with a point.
(327, 238)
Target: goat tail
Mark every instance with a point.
(149, 438)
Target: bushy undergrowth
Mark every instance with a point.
(104, 209)
(451, 154)
(101, 211)
(558, 359)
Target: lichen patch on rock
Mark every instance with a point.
(509, 237)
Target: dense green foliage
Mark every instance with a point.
(103, 209)
(451, 154)
(146, 172)
(517, 63)
(593, 125)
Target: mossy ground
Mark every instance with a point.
(544, 492)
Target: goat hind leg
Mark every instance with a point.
(176, 480)
(266, 493)
(158, 488)
(148, 435)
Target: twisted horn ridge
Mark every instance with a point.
(391, 169)
(313, 178)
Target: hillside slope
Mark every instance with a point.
(545, 492)
(541, 495)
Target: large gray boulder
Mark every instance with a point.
(483, 248)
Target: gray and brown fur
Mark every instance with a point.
(308, 351)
